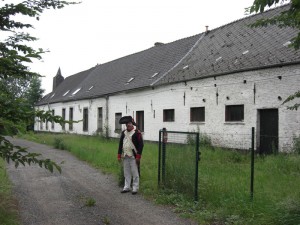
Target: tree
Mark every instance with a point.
(288, 18)
(15, 110)
(34, 92)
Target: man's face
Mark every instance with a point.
(129, 126)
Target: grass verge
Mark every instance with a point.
(224, 181)
(8, 205)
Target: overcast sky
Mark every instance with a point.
(98, 31)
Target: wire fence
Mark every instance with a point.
(178, 162)
(227, 166)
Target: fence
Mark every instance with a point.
(178, 161)
(228, 167)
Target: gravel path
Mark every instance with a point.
(51, 198)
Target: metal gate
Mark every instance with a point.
(178, 161)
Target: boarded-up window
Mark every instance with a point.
(234, 113)
(197, 114)
(140, 120)
(118, 127)
(169, 115)
(70, 118)
(85, 119)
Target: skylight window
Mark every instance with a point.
(75, 92)
(185, 67)
(154, 75)
(91, 88)
(131, 79)
(52, 95)
(66, 93)
(245, 52)
(218, 59)
(287, 43)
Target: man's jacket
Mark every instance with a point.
(138, 142)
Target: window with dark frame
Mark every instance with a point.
(70, 118)
(169, 115)
(85, 119)
(52, 124)
(100, 119)
(63, 115)
(118, 127)
(197, 114)
(140, 120)
(234, 113)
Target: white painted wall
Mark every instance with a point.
(268, 87)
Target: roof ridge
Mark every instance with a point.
(176, 64)
(249, 16)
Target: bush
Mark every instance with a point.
(59, 144)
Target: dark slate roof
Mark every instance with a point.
(70, 84)
(237, 47)
(231, 48)
(112, 77)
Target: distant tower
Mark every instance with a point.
(57, 80)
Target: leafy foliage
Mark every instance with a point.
(16, 99)
(19, 155)
(288, 18)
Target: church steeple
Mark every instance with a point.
(57, 80)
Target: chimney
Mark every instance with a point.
(57, 80)
(158, 44)
(206, 29)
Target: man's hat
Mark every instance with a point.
(127, 119)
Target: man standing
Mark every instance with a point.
(130, 149)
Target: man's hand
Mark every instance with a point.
(138, 162)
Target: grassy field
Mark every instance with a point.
(224, 181)
(8, 208)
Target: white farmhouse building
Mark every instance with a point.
(223, 82)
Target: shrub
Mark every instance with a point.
(59, 144)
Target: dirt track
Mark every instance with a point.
(59, 199)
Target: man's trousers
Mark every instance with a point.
(131, 171)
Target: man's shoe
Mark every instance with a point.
(124, 191)
(134, 192)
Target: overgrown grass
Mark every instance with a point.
(8, 207)
(224, 181)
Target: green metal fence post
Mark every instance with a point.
(252, 164)
(164, 133)
(197, 162)
(159, 155)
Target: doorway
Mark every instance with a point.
(268, 126)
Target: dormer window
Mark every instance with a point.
(75, 92)
(218, 59)
(287, 43)
(154, 75)
(131, 79)
(66, 93)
